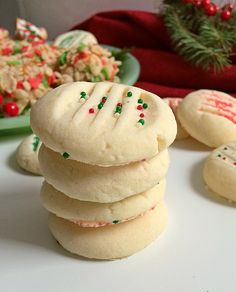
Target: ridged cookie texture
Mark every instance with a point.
(101, 184)
(110, 242)
(173, 103)
(97, 214)
(27, 154)
(220, 171)
(103, 123)
(209, 116)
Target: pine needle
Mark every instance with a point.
(203, 41)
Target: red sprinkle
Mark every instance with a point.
(30, 55)
(6, 51)
(141, 115)
(9, 94)
(91, 110)
(51, 79)
(80, 56)
(139, 107)
(119, 104)
(38, 52)
(19, 84)
(24, 49)
(234, 163)
(36, 43)
(35, 81)
(224, 158)
(103, 100)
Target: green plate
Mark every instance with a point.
(129, 73)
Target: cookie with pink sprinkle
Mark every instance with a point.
(173, 103)
(209, 116)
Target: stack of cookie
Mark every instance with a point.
(104, 158)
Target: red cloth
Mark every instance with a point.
(162, 70)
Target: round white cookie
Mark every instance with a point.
(101, 184)
(220, 171)
(103, 123)
(209, 116)
(88, 214)
(173, 103)
(75, 38)
(110, 242)
(27, 154)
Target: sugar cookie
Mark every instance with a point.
(103, 123)
(101, 184)
(209, 116)
(75, 38)
(27, 154)
(220, 171)
(110, 242)
(90, 214)
(173, 103)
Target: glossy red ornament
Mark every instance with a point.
(226, 15)
(210, 9)
(230, 6)
(206, 3)
(197, 3)
(10, 109)
(1, 99)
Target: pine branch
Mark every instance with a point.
(201, 40)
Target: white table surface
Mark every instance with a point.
(197, 252)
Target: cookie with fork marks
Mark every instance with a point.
(220, 171)
(209, 116)
(103, 123)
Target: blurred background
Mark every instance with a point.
(58, 16)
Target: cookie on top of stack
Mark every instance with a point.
(104, 158)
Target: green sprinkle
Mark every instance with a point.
(100, 105)
(81, 47)
(104, 97)
(145, 105)
(13, 62)
(63, 58)
(16, 50)
(83, 94)
(87, 69)
(105, 73)
(225, 148)
(141, 121)
(35, 143)
(38, 57)
(115, 221)
(219, 155)
(118, 109)
(66, 155)
(25, 110)
(140, 100)
(129, 93)
(96, 79)
(45, 82)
